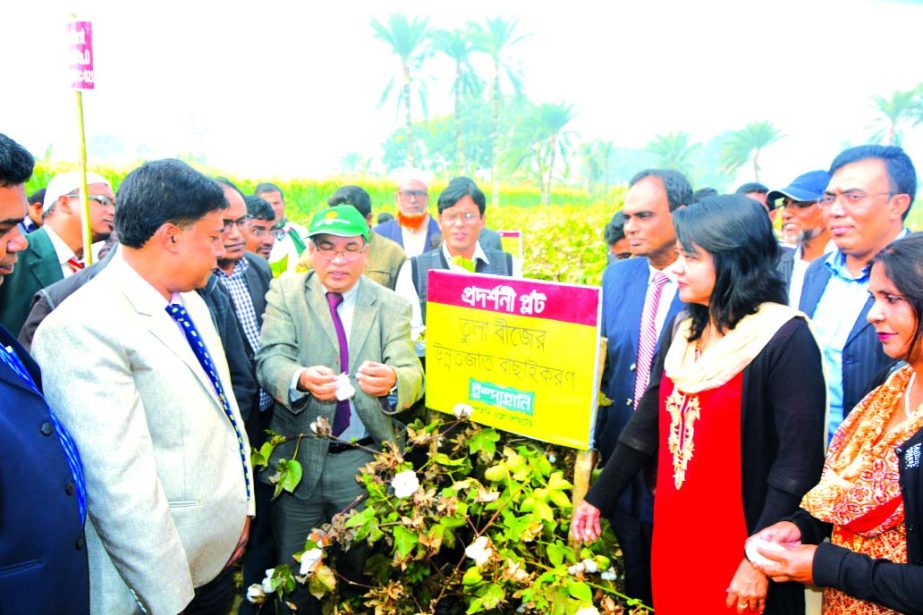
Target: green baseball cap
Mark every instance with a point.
(341, 221)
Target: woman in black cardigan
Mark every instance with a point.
(870, 497)
(745, 363)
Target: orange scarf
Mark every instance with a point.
(859, 489)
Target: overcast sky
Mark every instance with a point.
(286, 88)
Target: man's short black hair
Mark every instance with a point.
(352, 195)
(615, 230)
(258, 209)
(675, 184)
(224, 181)
(751, 187)
(38, 196)
(163, 191)
(702, 193)
(16, 163)
(459, 188)
(265, 187)
(902, 177)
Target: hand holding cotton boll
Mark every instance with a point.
(376, 379)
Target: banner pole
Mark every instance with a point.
(84, 190)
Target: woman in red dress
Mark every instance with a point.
(734, 417)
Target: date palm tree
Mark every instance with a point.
(554, 141)
(895, 113)
(496, 38)
(458, 46)
(746, 145)
(407, 38)
(674, 151)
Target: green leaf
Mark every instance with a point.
(580, 591)
(321, 582)
(404, 540)
(485, 442)
(497, 473)
(444, 460)
(556, 482)
(560, 499)
(493, 596)
(472, 576)
(556, 554)
(291, 476)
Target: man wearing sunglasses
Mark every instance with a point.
(335, 346)
(56, 249)
(804, 224)
(866, 202)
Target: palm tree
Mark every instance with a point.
(457, 45)
(407, 39)
(894, 113)
(554, 140)
(495, 38)
(747, 144)
(673, 151)
(595, 157)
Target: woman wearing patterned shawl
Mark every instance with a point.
(733, 416)
(870, 496)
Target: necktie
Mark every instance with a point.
(647, 338)
(180, 315)
(341, 418)
(8, 356)
(75, 264)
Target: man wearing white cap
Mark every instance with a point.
(55, 250)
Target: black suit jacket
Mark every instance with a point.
(863, 359)
(43, 557)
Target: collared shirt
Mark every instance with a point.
(799, 268)
(405, 286)
(236, 285)
(414, 240)
(666, 295)
(834, 318)
(346, 310)
(27, 225)
(62, 250)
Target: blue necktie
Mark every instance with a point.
(341, 418)
(67, 443)
(180, 315)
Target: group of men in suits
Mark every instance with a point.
(859, 205)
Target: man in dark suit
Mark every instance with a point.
(245, 277)
(867, 200)
(413, 229)
(43, 558)
(639, 299)
(56, 249)
(320, 328)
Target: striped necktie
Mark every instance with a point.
(647, 338)
(75, 264)
(180, 315)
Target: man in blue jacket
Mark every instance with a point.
(867, 200)
(43, 558)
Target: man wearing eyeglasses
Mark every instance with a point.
(290, 242)
(866, 202)
(335, 346)
(461, 218)
(413, 228)
(803, 221)
(260, 234)
(55, 250)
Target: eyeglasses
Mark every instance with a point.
(787, 202)
(851, 198)
(411, 193)
(351, 252)
(278, 233)
(240, 223)
(102, 199)
(466, 218)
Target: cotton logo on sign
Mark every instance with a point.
(912, 456)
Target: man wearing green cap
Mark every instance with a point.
(313, 372)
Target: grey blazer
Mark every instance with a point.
(166, 497)
(298, 332)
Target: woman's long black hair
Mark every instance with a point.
(903, 264)
(737, 233)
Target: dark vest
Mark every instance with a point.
(501, 263)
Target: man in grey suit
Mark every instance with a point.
(319, 325)
(134, 367)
